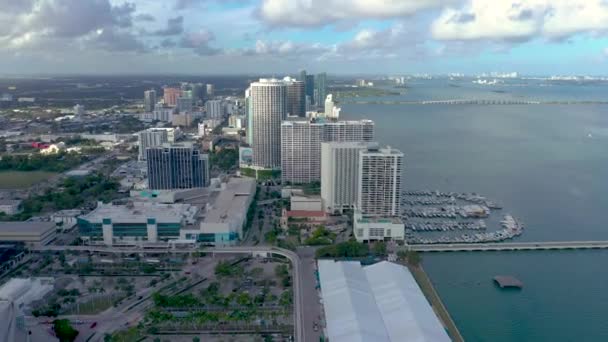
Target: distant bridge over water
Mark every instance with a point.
(471, 102)
(510, 246)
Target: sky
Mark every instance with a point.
(532, 37)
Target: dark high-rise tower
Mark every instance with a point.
(320, 89)
(177, 166)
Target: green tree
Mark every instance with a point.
(379, 248)
(64, 330)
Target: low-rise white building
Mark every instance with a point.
(136, 222)
(225, 214)
(373, 228)
(381, 303)
(308, 203)
(29, 232)
(66, 219)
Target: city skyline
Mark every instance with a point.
(536, 37)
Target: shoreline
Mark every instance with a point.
(433, 297)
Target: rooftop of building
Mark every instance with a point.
(382, 151)
(232, 197)
(27, 227)
(381, 302)
(141, 211)
(375, 219)
(304, 213)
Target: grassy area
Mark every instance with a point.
(429, 291)
(22, 179)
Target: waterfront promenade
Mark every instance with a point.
(509, 246)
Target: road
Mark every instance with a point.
(311, 307)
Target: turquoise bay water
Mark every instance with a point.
(548, 166)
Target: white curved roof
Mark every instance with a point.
(381, 302)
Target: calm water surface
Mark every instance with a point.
(548, 166)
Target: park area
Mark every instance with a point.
(166, 297)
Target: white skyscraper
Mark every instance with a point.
(150, 138)
(340, 174)
(379, 185)
(331, 111)
(79, 110)
(268, 108)
(301, 145)
(214, 109)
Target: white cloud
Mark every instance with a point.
(322, 12)
(520, 21)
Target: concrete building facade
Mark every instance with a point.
(372, 228)
(30, 233)
(149, 100)
(150, 138)
(170, 96)
(135, 222)
(214, 109)
(379, 185)
(301, 145)
(340, 174)
(225, 215)
(268, 107)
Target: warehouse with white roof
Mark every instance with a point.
(380, 302)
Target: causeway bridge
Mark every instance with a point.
(509, 246)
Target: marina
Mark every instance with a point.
(431, 217)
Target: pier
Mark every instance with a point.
(509, 246)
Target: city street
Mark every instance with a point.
(311, 308)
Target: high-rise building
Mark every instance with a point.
(320, 89)
(268, 108)
(185, 103)
(249, 109)
(198, 92)
(296, 97)
(163, 113)
(170, 96)
(214, 109)
(340, 174)
(300, 142)
(331, 111)
(379, 185)
(150, 138)
(79, 110)
(149, 100)
(310, 88)
(301, 145)
(177, 166)
(210, 91)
